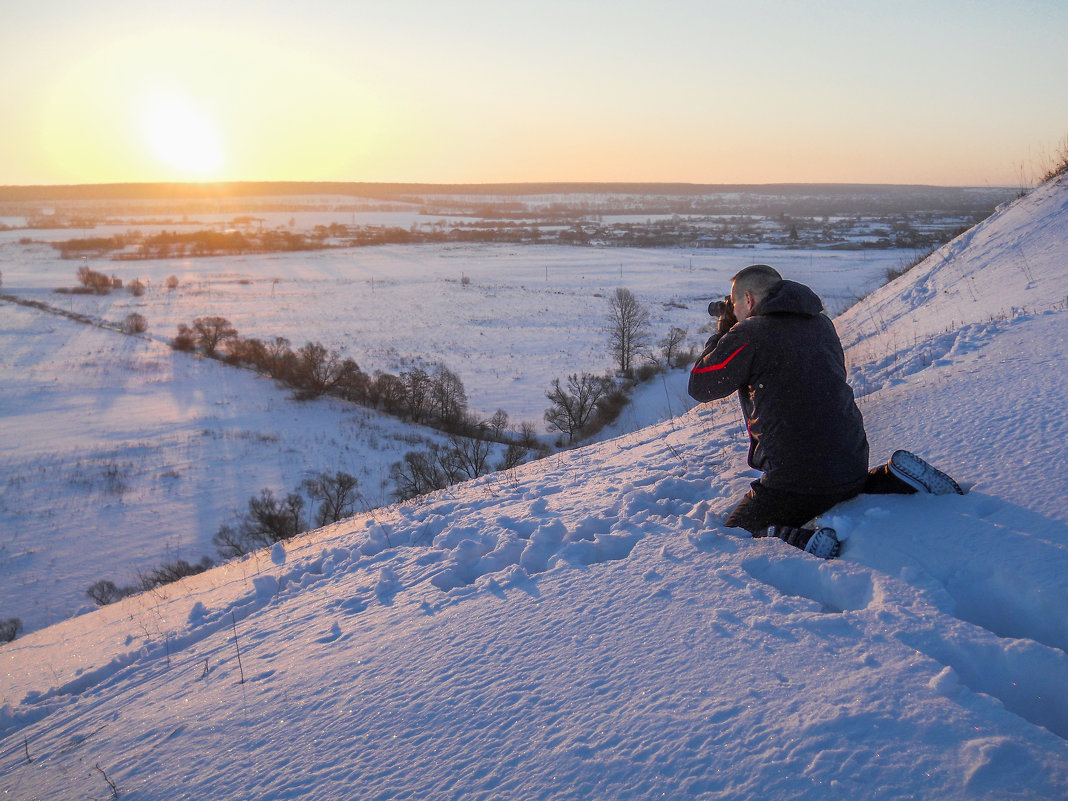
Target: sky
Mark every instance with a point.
(957, 92)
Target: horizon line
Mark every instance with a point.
(131, 190)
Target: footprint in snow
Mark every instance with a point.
(834, 588)
(334, 634)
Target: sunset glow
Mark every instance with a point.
(701, 92)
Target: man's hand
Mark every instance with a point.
(727, 320)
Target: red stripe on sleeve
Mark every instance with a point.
(719, 366)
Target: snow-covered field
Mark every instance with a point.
(120, 454)
(524, 315)
(585, 627)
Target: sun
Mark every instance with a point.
(181, 137)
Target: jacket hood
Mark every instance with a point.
(790, 297)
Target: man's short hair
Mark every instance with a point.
(757, 278)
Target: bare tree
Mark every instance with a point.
(448, 396)
(277, 354)
(469, 455)
(671, 345)
(513, 456)
(336, 495)
(211, 331)
(319, 370)
(420, 472)
(573, 408)
(389, 391)
(628, 328)
(417, 392)
(498, 422)
(228, 540)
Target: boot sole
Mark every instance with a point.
(919, 475)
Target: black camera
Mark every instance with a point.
(718, 308)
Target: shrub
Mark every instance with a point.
(268, 520)
(170, 572)
(136, 288)
(246, 351)
(171, 282)
(94, 281)
(420, 472)
(513, 456)
(185, 339)
(105, 592)
(609, 407)
(135, 324)
(1060, 161)
(10, 628)
(646, 370)
(336, 495)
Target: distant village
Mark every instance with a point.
(798, 217)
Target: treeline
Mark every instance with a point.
(433, 397)
(174, 244)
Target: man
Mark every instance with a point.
(782, 355)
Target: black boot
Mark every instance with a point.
(821, 542)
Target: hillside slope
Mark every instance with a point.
(586, 627)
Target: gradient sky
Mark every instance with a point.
(961, 92)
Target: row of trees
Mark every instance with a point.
(433, 396)
(91, 280)
(312, 370)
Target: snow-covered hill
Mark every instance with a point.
(585, 627)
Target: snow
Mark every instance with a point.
(144, 453)
(585, 626)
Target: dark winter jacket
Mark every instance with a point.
(786, 363)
